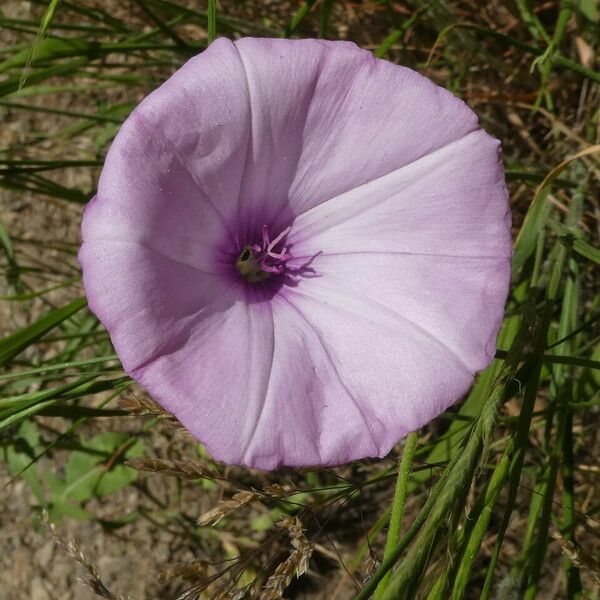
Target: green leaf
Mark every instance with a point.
(589, 9)
(58, 510)
(96, 470)
(12, 345)
(82, 474)
(573, 241)
(539, 211)
(119, 522)
(119, 475)
(19, 455)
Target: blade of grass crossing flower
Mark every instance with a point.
(211, 21)
(398, 503)
(12, 345)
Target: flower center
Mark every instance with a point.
(259, 262)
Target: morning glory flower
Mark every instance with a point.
(301, 251)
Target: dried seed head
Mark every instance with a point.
(226, 507)
(295, 564)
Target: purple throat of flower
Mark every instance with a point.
(261, 261)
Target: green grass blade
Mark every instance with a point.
(298, 17)
(398, 504)
(39, 40)
(212, 21)
(14, 344)
(539, 211)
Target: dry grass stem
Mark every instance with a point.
(178, 468)
(578, 556)
(91, 578)
(295, 564)
(226, 507)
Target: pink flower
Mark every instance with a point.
(299, 250)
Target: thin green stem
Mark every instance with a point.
(478, 531)
(451, 499)
(211, 30)
(521, 443)
(395, 35)
(398, 503)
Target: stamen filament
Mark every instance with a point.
(258, 262)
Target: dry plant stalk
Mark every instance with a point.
(178, 468)
(295, 564)
(226, 507)
(92, 579)
(146, 407)
(276, 490)
(578, 556)
(143, 407)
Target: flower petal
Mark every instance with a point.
(450, 202)
(328, 117)
(365, 372)
(172, 176)
(393, 297)
(148, 301)
(216, 383)
(430, 242)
